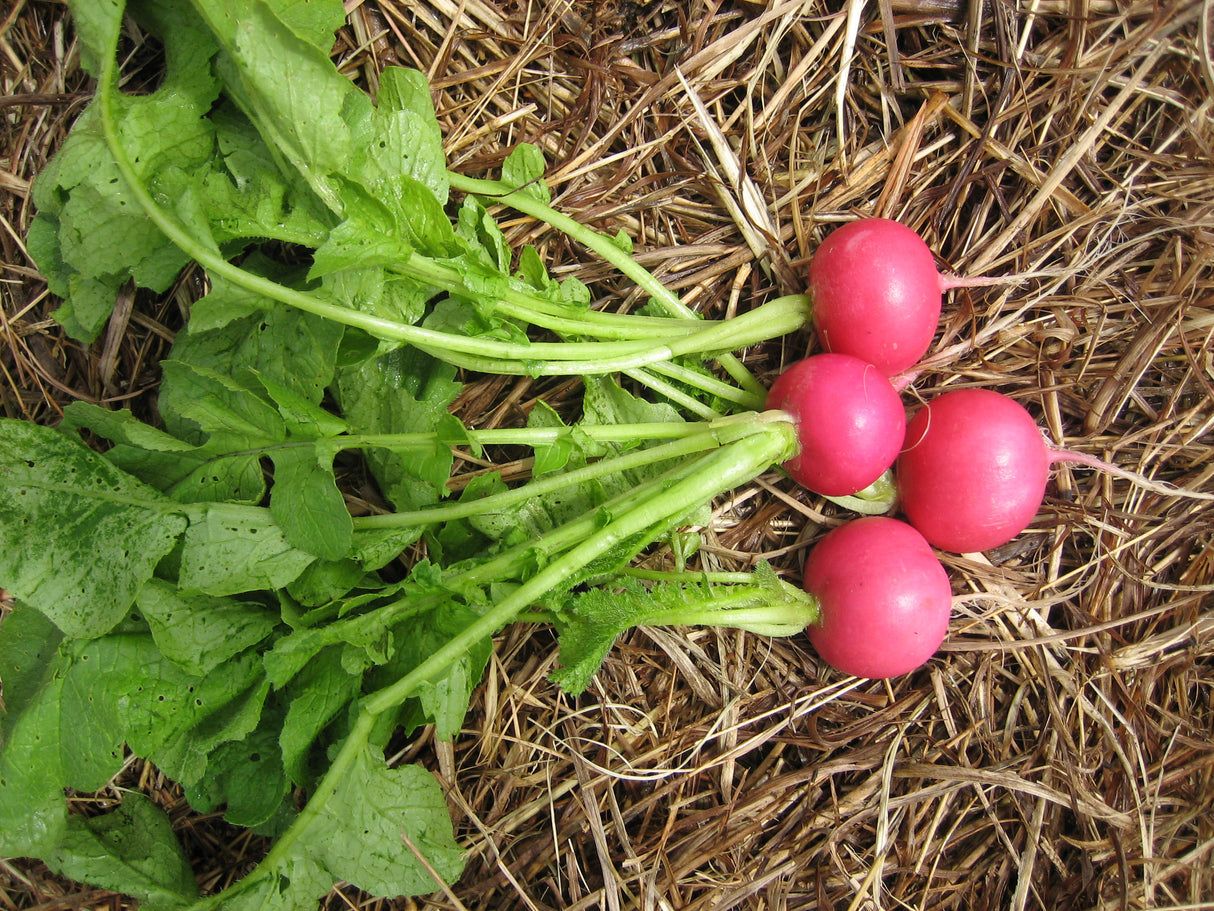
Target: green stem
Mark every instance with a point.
(542, 486)
(605, 247)
(565, 536)
(688, 576)
(709, 384)
(520, 436)
(504, 565)
(765, 619)
(540, 311)
(876, 499)
(673, 393)
(720, 471)
(710, 436)
(772, 320)
(356, 741)
(497, 436)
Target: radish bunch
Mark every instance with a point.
(971, 467)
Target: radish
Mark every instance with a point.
(850, 422)
(877, 294)
(974, 469)
(884, 598)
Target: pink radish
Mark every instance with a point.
(884, 598)
(974, 469)
(877, 294)
(850, 422)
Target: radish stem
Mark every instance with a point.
(714, 437)
(609, 250)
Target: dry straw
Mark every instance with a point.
(1058, 754)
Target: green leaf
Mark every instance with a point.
(187, 757)
(324, 582)
(183, 471)
(247, 194)
(370, 634)
(92, 236)
(245, 777)
(551, 456)
(313, 22)
(297, 882)
(483, 234)
(588, 622)
(443, 700)
(296, 350)
(523, 170)
(171, 717)
(407, 140)
(29, 643)
(90, 732)
(33, 813)
(532, 270)
(588, 625)
(361, 836)
(288, 86)
(536, 516)
(403, 391)
(303, 418)
(232, 549)
(199, 632)
(131, 850)
(78, 537)
(220, 410)
(318, 693)
(359, 833)
(607, 403)
(32, 810)
(307, 505)
(369, 236)
(97, 25)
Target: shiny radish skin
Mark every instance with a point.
(850, 422)
(884, 597)
(973, 472)
(876, 293)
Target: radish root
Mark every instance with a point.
(1091, 461)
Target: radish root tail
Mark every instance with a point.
(1091, 461)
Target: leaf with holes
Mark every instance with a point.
(78, 537)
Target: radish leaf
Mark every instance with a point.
(232, 549)
(197, 632)
(78, 537)
(132, 849)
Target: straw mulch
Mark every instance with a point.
(1058, 753)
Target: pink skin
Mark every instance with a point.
(974, 470)
(850, 422)
(885, 598)
(877, 294)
